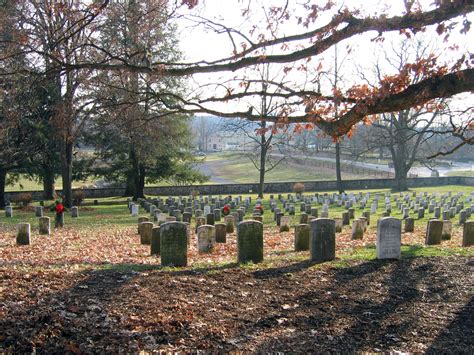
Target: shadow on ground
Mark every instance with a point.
(414, 304)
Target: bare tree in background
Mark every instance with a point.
(403, 133)
(261, 133)
(204, 129)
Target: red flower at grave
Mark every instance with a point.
(59, 208)
(226, 210)
(259, 207)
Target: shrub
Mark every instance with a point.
(24, 198)
(298, 188)
(194, 193)
(78, 196)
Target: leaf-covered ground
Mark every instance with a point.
(121, 245)
(91, 287)
(416, 304)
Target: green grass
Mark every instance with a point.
(26, 184)
(335, 211)
(238, 168)
(344, 260)
(99, 216)
(232, 166)
(469, 173)
(408, 251)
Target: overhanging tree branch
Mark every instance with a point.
(354, 26)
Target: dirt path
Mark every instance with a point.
(418, 305)
(211, 169)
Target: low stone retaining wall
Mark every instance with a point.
(272, 187)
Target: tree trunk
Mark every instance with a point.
(140, 182)
(401, 179)
(3, 179)
(263, 159)
(130, 185)
(48, 183)
(67, 173)
(137, 171)
(138, 175)
(400, 158)
(401, 171)
(340, 188)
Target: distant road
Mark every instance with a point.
(211, 169)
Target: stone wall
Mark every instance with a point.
(274, 187)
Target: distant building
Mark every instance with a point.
(225, 141)
(215, 143)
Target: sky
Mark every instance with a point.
(198, 43)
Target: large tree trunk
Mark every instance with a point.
(401, 179)
(401, 169)
(3, 179)
(400, 157)
(48, 183)
(66, 173)
(340, 188)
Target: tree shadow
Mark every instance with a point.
(462, 327)
(56, 322)
(281, 271)
(171, 271)
(358, 311)
(78, 318)
(356, 308)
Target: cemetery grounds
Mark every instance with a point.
(92, 287)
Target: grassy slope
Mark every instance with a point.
(234, 167)
(240, 169)
(469, 173)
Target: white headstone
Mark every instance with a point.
(161, 217)
(206, 236)
(373, 208)
(134, 210)
(389, 232)
(285, 221)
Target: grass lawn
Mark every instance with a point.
(233, 168)
(26, 184)
(469, 173)
(238, 168)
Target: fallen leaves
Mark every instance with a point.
(72, 247)
(362, 306)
